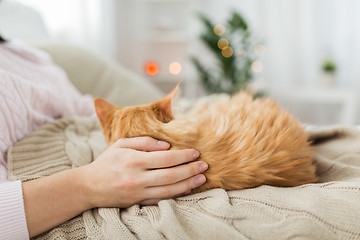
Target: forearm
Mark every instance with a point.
(52, 200)
(137, 170)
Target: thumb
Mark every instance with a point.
(147, 144)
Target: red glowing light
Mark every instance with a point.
(152, 68)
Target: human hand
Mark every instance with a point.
(139, 170)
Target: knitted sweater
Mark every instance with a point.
(325, 210)
(33, 92)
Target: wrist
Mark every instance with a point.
(83, 188)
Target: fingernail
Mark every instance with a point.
(163, 144)
(203, 167)
(196, 154)
(199, 180)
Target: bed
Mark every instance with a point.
(325, 210)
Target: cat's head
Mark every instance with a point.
(123, 122)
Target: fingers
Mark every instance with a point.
(168, 191)
(141, 144)
(170, 158)
(160, 177)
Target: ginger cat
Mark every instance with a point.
(245, 142)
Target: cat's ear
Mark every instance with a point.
(165, 104)
(104, 111)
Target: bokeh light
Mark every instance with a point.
(257, 66)
(219, 29)
(227, 51)
(222, 43)
(152, 68)
(259, 49)
(175, 68)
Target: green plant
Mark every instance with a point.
(329, 66)
(233, 69)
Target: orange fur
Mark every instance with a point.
(246, 142)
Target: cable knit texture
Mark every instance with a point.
(33, 91)
(326, 210)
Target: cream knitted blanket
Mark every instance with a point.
(326, 210)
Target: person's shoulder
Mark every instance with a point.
(26, 51)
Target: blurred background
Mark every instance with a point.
(303, 53)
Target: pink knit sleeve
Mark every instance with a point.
(12, 212)
(33, 92)
(3, 171)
